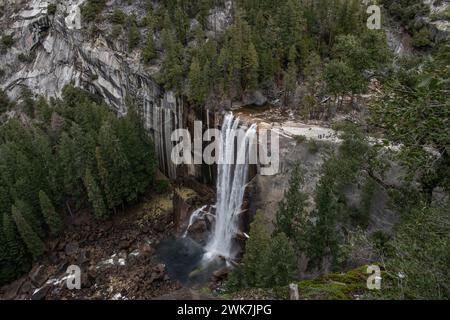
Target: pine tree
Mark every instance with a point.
(113, 166)
(256, 249)
(195, 90)
(51, 217)
(280, 265)
(133, 33)
(182, 25)
(95, 197)
(322, 239)
(172, 68)
(32, 241)
(290, 76)
(251, 67)
(15, 258)
(339, 78)
(290, 218)
(149, 52)
(138, 148)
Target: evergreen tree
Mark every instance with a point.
(182, 25)
(290, 76)
(280, 265)
(95, 197)
(172, 68)
(113, 166)
(256, 249)
(149, 52)
(322, 239)
(134, 35)
(290, 218)
(195, 91)
(5, 103)
(51, 217)
(339, 78)
(15, 260)
(251, 67)
(32, 241)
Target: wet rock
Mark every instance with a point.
(83, 257)
(71, 249)
(86, 281)
(40, 294)
(255, 98)
(26, 287)
(198, 227)
(221, 274)
(146, 250)
(38, 275)
(13, 289)
(125, 244)
(158, 272)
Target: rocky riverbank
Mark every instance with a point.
(117, 258)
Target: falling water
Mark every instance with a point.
(194, 217)
(231, 184)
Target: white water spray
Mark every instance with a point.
(197, 214)
(231, 184)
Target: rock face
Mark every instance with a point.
(51, 51)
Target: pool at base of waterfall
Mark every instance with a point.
(184, 260)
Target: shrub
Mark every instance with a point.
(117, 17)
(51, 9)
(91, 9)
(422, 38)
(162, 186)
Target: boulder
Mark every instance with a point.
(41, 293)
(125, 244)
(12, 290)
(71, 249)
(254, 98)
(158, 272)
(38, 275)
(146, 250)
(221, 274)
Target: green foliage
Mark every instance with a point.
(256, 250)
(51, 217)
(51, 9)
(290, 218)
(413, 110)
(422, 38)
(6, 43)
(25, 57)
(280, 264)
(14, 260)
(134, 35)
(267, 262)
(95, 197)
(91, 10)
(44, 166)
(34, 244)
(5, 103)
(118, 17)
(322, 236)
(418, 267)
(149, 51)
(162, 186)
(172, 68)
(7, 40)
(196, 86)
(406, 11)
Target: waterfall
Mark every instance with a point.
(194, 217)
(231, 183)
